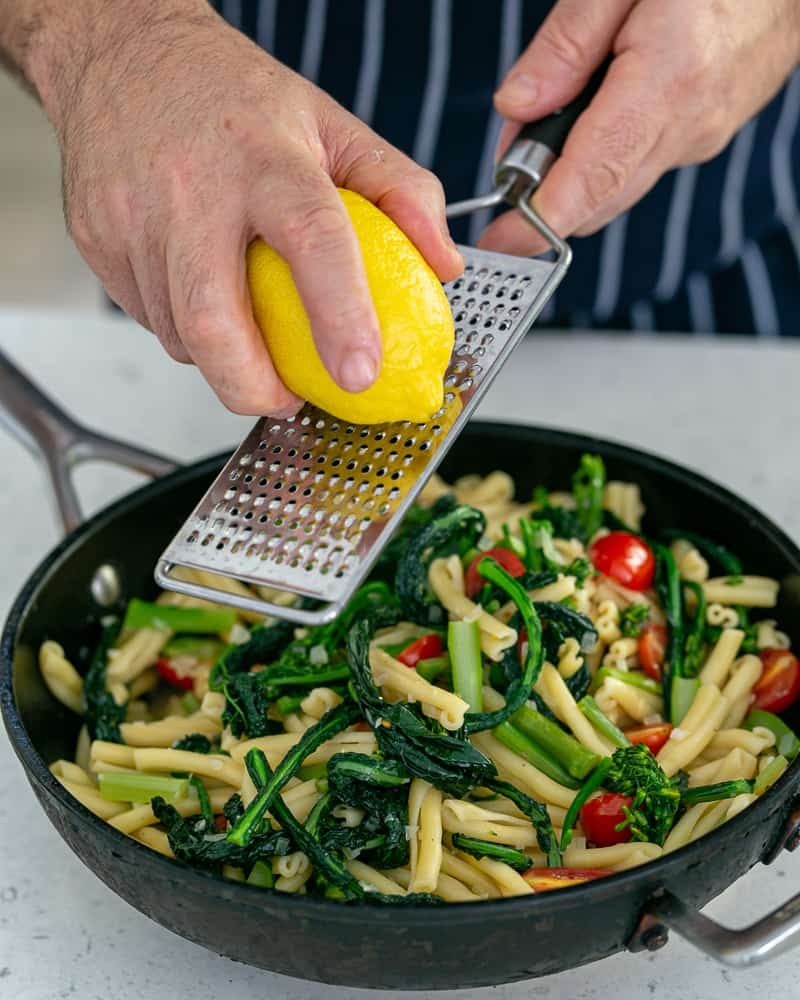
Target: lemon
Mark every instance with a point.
(414, 315)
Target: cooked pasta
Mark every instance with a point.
(440, 740)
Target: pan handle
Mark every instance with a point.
(61, 442)
(766, 938)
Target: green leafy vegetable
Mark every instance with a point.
(462, 525)
(635, 772)
(487, 849)
(717, 792)
(191, 841)
(194, 742)
(633, 618)
(786, 741)
(536, 813)
(334, 721)
(588, 485)
(402, 732)
(519, 687)
(103, 714)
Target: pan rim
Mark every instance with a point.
(651, 876)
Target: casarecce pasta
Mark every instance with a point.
(533, 694)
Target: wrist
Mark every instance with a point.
(57, 51)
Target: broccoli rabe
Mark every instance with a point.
(635, 772)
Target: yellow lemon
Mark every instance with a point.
(413, 312)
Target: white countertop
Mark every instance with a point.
(730, 408)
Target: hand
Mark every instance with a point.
(182, 142)
(685, 76)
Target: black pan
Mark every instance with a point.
(368, 945)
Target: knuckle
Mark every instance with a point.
(602, 182)
(620, 147)
(562, 44)
(317, 229)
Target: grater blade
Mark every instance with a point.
(306, 504)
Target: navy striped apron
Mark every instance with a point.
(712, 248)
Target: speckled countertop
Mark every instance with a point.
(731, 409)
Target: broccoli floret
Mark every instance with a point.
(656, 798)
(633, 618)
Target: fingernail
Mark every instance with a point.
(519, 89)
(358, 371)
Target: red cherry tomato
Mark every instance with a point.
(545, 879)
(424, 648)
(653, 737)
(362, 727)
(513, 565)
(652, 645)
(779, 684)
(221, 823)
(183, 680)
(601, 814)
(625, 558)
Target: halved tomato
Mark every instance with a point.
(779, 684)
(545, 879)
(512, 564)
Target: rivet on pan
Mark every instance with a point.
(105, 587)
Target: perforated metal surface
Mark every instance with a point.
(305, 504)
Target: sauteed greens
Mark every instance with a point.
(526, 695)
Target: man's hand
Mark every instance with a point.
(181, 143)
(686, 75)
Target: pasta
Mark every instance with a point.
(441, 739)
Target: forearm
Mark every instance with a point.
(50, 44)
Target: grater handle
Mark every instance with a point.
(50, 434)
(539, 144)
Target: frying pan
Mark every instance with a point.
(361, 944)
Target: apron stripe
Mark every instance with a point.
(372, 54)
(433, 101)
(676, 234)
(733, 194)
(314, 39)
(609, 271)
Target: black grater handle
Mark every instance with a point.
(540, 143)
(552, 131)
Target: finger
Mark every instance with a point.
(410, 195)
(573, 41)
(607, 148)
(149, 265)
(211, 311)
(511, 233)
(299, 212)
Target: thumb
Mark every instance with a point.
(557, 65)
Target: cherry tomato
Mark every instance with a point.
(625, 558)
(181, 679)
(601, 814)
(652, 645)
(221, 823)
(653, 737)
(779, 684)
(424, 648)
(513, 565)
(545, 879)
(362, 726)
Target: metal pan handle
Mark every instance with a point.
(61, 442)
(767, 938)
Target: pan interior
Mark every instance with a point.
(131, 535)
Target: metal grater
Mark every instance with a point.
(306, 505)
